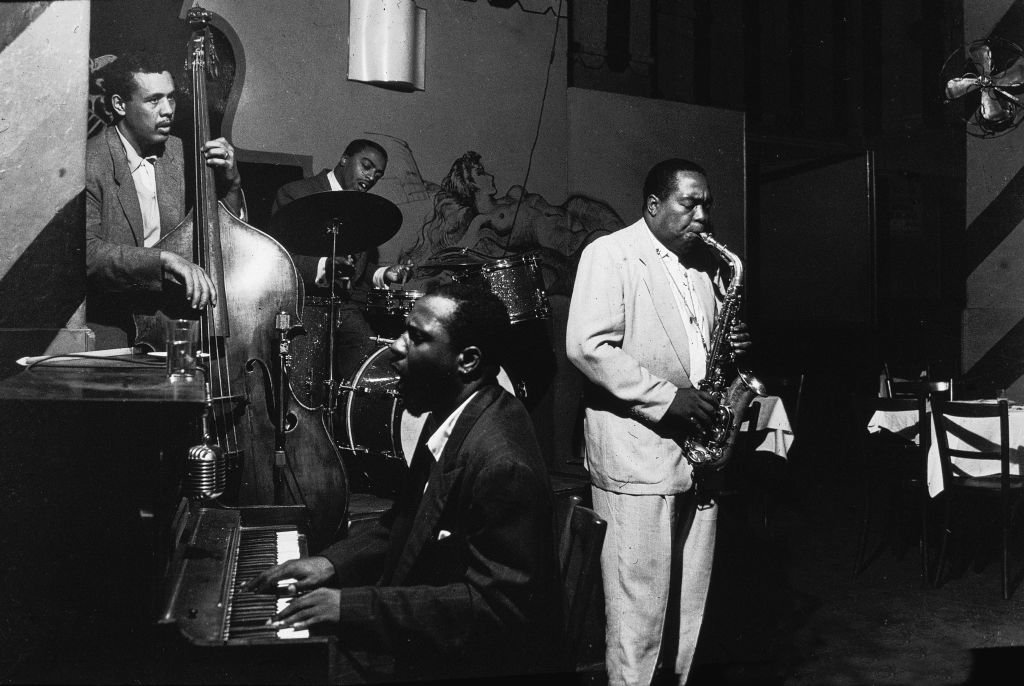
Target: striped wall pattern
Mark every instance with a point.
(993, 258)
(44, 57)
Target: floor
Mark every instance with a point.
(786, 607)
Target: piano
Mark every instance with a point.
(217, 633)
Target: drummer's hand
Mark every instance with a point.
(306, 573)
(344, 268)
(199, 288)
(396, 273)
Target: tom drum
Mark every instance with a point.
(520, 285)
(386, 309)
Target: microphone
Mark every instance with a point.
(205, 466)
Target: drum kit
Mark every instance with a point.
(365, 411)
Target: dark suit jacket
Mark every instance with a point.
(365, 262)
(481, 598)
(118, 265)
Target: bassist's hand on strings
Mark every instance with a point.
(691, 409)
(199, 288)
(220, 156)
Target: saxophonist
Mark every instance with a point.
(641, 317)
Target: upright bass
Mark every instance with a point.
(277, 452)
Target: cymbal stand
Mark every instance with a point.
(334, 228)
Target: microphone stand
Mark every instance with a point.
(283, 326)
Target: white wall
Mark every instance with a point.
(485, 74)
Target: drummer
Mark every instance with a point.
(360, 167)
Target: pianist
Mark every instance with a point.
(458, 579)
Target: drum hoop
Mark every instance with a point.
(505, 262)
(395, 452)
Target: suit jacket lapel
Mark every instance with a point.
(442, 478)
(654, 277)
(170, 187)
(126, 195)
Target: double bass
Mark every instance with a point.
(277, 451)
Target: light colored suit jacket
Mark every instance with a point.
(626, 334)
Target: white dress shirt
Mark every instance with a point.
(144, 178)
(695, 320)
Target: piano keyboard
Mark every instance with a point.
(259, 549)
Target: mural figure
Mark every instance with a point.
(468, 214)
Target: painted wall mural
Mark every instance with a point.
(469, 217)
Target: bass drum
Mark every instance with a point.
(373, 409)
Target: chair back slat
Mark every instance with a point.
(946, 412)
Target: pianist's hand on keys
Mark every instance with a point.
(303, 574)
(250, 612)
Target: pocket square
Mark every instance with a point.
(443, 534)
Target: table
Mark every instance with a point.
(905, 424)
(773, 420)
(128, 378)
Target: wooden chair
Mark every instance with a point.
(579, 562)
(928, 389)
(1002, 487)
(901, 463)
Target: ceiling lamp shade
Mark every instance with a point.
(386, 43)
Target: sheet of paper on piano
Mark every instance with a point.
(111, 352)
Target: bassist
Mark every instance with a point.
(135, 192)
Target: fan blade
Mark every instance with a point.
(1011, 77)
(959, 87)
(982, 56)
(991, 109)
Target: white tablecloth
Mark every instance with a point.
(984, 429)
(774, 422)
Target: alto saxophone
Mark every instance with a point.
(712, 449)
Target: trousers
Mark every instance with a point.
(656, 569)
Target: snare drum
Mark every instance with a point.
(386, 309)
(520, 285)
(310, 369)
(372, 408)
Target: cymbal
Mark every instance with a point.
(306, 225)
